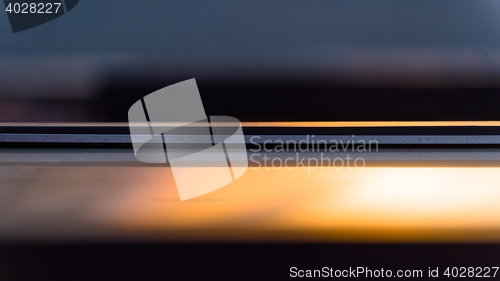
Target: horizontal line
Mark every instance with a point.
(316, 124)
(256, 139)
(401, 158)
(331, 124)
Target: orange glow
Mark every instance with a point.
(370, 204)
(390, 204)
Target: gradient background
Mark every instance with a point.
(269, 60)
(257, 61)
